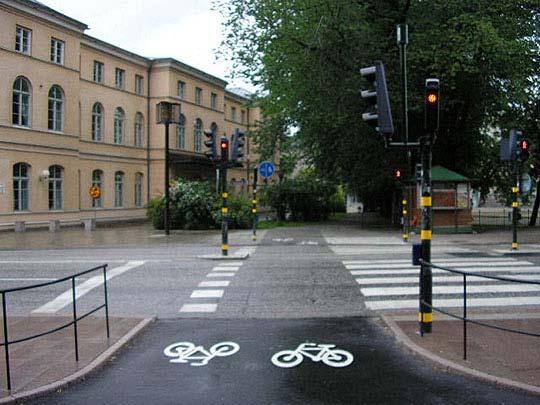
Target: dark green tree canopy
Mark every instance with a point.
(305, 56)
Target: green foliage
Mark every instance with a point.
(240, 216)
(305, 198)
(192, 206)
(305, 55)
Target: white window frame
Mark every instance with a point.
(55, 110)
(23, 101)
(181, 133)
(119, 189)
(139, 84)
(98, 182)
(213, 101)
(57, 51)
(21, 192)
(120, 79)
(99, 71)
(197, 135)
(233, 113)
(181, 89)
(56, 186)
(139, 127)
(119, 125)
(23, 44)
(138, 190)
(97, 122)
(198, 95)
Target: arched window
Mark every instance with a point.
(56, 179)
(181, 133)
(214, 127)
(21, 180)
(97, 122)
(56, 109)
(21, 102)
(139, 125)
(138, 189)
(197, 135)
(97, 181)
(119, 189)
(119, 118)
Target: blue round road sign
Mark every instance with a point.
(266, 169)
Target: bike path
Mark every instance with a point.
(380, 373)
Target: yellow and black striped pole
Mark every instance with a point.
(224, 198)
(425, 316)
(405, 213)
(254, 203)
(515, 211)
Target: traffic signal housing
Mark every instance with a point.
(398, 174)
(380, 114)
(431, 102)
(238, 142)
(523, 149)
(210, 143)
(224, 145)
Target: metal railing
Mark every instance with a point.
(6, 343)
(499, 218)
(464, 318)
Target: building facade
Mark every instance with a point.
(80, 112)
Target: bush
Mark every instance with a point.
(240, 216)
(306, 198)
(192, 205)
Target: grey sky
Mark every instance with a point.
(186, 30)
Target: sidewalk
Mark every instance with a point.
(48, 363)
(497, 356)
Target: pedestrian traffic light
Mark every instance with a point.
(523, 149)
(238, 142)
(431, 101)
(224, 150)
(210, 143)
(380, 114)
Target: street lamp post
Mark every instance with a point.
(167, 113)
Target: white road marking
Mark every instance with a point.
(438, 271)
(438, 279)
(66, 298)
(225, 268)
(457, 289)
(198, 308)
(207, 294)
(409, 261)
(233, 264)
(217, 283)
(220, 274)
(452, 303)
(452, 264)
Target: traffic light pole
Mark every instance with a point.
(515, 206)
(224, 212)
(425, 315)
(166, 214)
(254, 203)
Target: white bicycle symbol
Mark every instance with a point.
(187, 352)
(316, 352)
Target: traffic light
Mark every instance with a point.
(397, 174)
(431, 101)
(380, 115)
(224, 150)
(523, 149)
(210, 143)
(238, 142)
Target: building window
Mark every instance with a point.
(139, 82)
(138, 189)
(97, 181)
(243, 116)
(23, 40)
(233, 113)
(139, 129)
(213, 101)
(197, 135)
(214, 127)
(56, 174)
(21, 102)
(119, 189)
(56, 109)
(198, 95)
(99, 72)
(21, 181)
(57, 51)
(181, 89)
(119, 126)
(97, 122)
(120, 79)
(181, 133)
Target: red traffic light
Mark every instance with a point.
(432, 98)
(397, 174)
(224, 144)
(524, 144)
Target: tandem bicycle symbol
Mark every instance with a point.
(187, 352)
(317, 352)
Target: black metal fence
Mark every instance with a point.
(464, 318)
(74, 321)
(499, 218)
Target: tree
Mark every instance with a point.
(305, 56)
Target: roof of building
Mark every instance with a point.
(439, 173)
(190, 69)
(53, 13)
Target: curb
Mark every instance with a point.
(236, 256)
(403, 338)
(89, 368)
